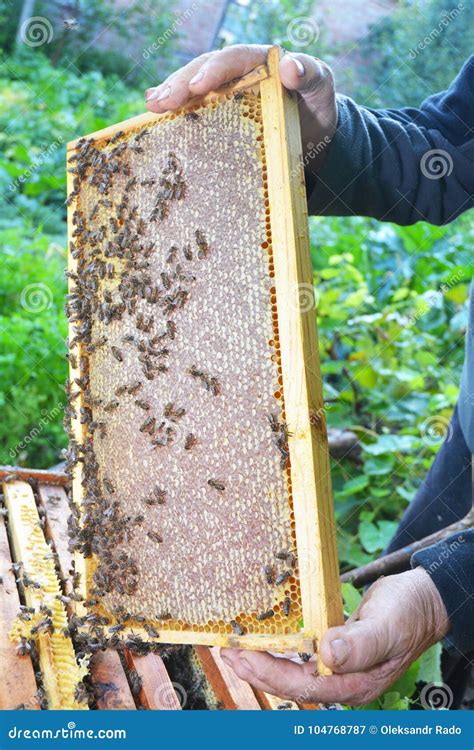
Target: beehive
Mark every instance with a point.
(198, 445)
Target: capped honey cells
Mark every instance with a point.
(176, 405)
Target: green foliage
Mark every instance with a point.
(41, 108)
(392, 307)
(100, 36)
(423, 44)
(286, 22)
(32, 348)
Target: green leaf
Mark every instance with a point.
(353, 486)
(429, 669)
(379, 465)
(375, 537)
(351, 596)
(393, 701)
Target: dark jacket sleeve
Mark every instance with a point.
(451, 567)
(404, 165)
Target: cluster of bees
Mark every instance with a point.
(113, 279)
(273, 578)
(112, 276)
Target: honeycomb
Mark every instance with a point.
(186, 505)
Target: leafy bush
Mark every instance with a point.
(423, 44)
(32, 348)
(392, 307)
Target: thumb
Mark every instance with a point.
(356, 646)
(312, 78)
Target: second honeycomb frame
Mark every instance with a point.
(305, 413)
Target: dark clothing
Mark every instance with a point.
(443, 498)
(405, 166)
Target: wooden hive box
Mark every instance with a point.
(198, 440)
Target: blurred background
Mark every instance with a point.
(392, 301)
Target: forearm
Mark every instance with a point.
(450, 565)
(378, 166)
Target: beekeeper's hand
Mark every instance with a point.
(399, 617)
(311, 78)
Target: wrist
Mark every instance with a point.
(430, 603)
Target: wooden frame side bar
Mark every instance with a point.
(304, 406)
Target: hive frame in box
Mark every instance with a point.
(310, 472)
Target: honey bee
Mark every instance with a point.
(171, 329)
(148, 425)
(154, 536)
(202, 244)
(238, 96)
(192, 116)
(117, 353)
(143, 405)
(163, 616)
(269, 573)
(24, 648)
(135, 681)
(265, 615)
(151, 631)
(286, 606)
(287, 556)
(134, 387)
(160, 495)
(111, 406)
(173, 251)
(282, 578)
(117, 136)
(109, 486)
(190, 441)
(187, 252)
(237, 628)
(219, 486)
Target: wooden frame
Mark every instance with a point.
(310, 473)
(56, 653)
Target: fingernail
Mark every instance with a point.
(149, 93)
(158, 96)
(199, 75)
(299, 66)
(340, 651)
